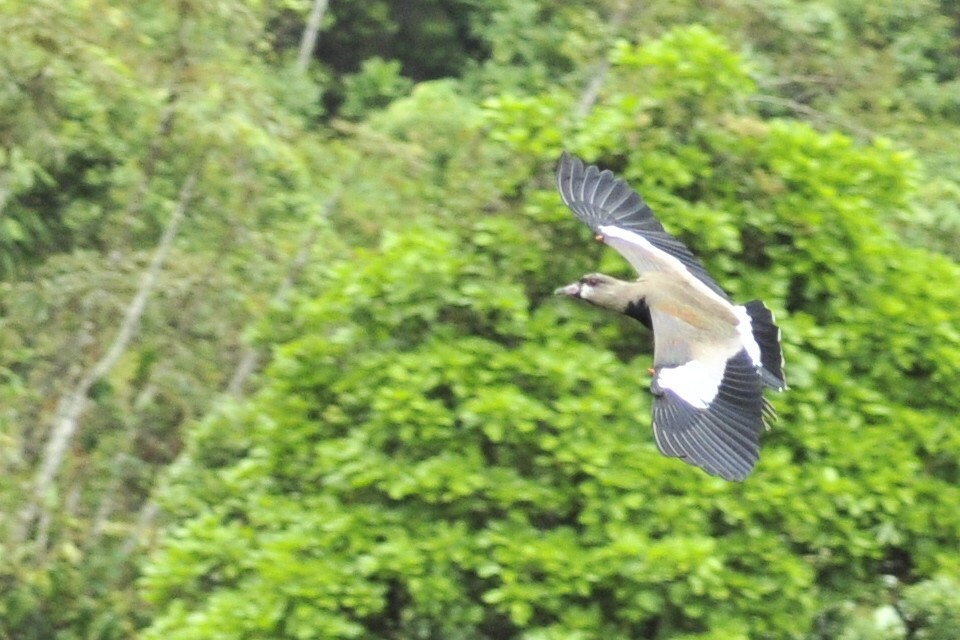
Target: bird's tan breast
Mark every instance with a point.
(698, 308)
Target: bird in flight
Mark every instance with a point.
(711, 358)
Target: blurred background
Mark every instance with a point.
(279, 356)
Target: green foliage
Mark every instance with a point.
(932, 608)
(377, 84)
(106, 121)
(926, 610)
(687, 62)
(60, 143)
(483, 470)
(61, 601)
(441, 450)
(567, 38)
(429, 38)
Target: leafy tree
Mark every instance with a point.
(110, 109)
(376, 85)
(109, 126)
(441, 450)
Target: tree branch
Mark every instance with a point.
(815, 114)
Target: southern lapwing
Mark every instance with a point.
(712, 358)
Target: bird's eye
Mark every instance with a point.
(590, 281)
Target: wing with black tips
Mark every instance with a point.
(605, 203)
(711, 416)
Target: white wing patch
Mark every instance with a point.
(696, 382)
(745, 329)
(643, 256)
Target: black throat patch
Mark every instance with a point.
(638, 310)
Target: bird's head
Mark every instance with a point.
(601, 290)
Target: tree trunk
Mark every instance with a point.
(248, 362)
(251, 357)
(600, 70)
(148, 512)
(308, 41)
(70, 408)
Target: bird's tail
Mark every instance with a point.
(767, 334)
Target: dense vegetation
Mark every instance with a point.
(280, 358)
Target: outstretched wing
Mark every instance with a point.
(613, 210)
(710, 412)
(709, 408)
